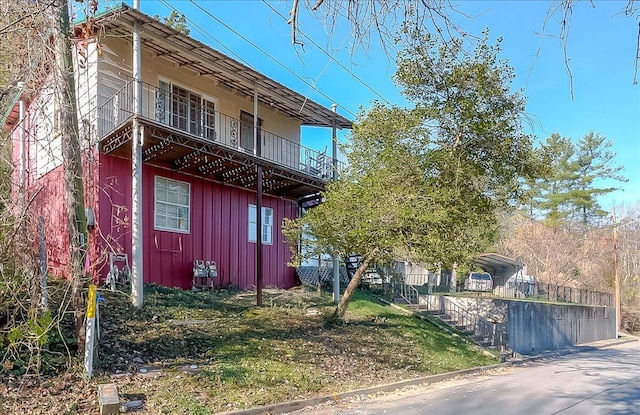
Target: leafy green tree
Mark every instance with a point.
(425, 183)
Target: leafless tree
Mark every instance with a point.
(579, 257)
(382, 19)
(629, 260)
(560, 255)
(37, 69)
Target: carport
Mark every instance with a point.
(500, 267)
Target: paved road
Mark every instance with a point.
(605, 381)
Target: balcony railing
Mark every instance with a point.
(195, 116)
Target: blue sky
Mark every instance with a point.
(601, 49)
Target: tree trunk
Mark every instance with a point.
(353, 284)
(72, 167)
(454, 277)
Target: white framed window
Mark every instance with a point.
(267, 224)
(186, 110)
(172, 205)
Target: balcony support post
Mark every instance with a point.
(136, 174)
(258, 149)
(334, 167)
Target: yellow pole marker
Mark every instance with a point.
(90, 330)
(91, 302)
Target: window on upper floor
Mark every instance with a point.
(186, 110)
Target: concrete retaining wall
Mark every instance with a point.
(494, 310)
(534, 327)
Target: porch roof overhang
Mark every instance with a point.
(186, 52)
(495, 263)
(175, 150)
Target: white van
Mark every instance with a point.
(479, 281)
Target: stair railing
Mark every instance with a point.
(493, 333)
(409, 293)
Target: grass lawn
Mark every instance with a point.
(248, 356)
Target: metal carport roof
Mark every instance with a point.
(495, 264)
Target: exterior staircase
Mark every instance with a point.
(484, 333)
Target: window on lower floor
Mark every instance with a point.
(172, 205)
(267, 224)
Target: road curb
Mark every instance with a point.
(290, 406)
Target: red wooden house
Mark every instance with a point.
(199, 111)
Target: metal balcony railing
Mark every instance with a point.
(196, 116)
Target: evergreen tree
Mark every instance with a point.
(595, 164)
(570, 190)
(553, 193)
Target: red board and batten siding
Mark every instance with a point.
(218, 229)
(49, 203)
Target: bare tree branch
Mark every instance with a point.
(385, 18)
(318, 4)
(293, 21)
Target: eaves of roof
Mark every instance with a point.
(186, 52)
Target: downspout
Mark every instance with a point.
(137, 239)
(258, 148)
(334, 165)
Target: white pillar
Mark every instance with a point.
(255, 121)
(136, 175)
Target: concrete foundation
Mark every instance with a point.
(533, 327)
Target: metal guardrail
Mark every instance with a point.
(199, 118)
(540, 291)
(490, 333)
(583, 296)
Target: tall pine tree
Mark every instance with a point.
(578, 175)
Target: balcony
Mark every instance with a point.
(185, 132)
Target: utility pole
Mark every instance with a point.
(334, 165)
(616, 265)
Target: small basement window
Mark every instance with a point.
(172, 205)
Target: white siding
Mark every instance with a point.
(86, 77)
(115, 71)
(48, 143)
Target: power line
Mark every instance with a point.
(208, 35)
(356, 77)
